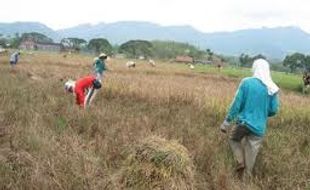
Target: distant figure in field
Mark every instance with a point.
(219, 66)
(99, 66)
(131, 64)
(306, 80)
(152, 62)
(14, 59)
(255, 101)
(83, 89)
(191, 66)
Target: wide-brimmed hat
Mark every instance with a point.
(103, 55)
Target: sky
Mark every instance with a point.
(204, 15)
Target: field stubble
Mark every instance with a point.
(47, 142)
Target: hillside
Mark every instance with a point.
(24, 27)
(272, 42)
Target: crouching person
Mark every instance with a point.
(83, 89)
(255, 101)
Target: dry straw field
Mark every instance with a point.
(149, 128)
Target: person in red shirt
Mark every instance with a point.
(83, 89)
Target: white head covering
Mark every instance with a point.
(70, 85)
(261, 71)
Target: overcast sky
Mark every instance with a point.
(204, 15)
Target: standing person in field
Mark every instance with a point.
(83, 89)
(99, 66)
(14, 59)
(255, 101)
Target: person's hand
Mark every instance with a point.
(224, 126)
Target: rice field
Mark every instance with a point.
(147, 127)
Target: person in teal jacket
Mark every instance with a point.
(256, 100)
(99, 66)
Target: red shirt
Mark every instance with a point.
(81, 86)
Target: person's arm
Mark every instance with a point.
(237, 103)
(96, 65)
(88, 97)
(273, 105)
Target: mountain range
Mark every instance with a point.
(271, 42)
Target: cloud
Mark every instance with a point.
(205, 15)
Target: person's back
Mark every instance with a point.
(255, 106)
(14, 58)
(84, 83)
(255, 101)
(81, 87)
(99, 66)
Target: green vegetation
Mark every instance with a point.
(36, 37)
(286, 81)
(297, 61)
(74, 43)
(100, 45)
(246, 60)
(136, 48)
(170, 49)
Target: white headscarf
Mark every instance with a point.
(261, 71)
(70, 85)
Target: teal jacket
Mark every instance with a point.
(99, 66)
(252, 105)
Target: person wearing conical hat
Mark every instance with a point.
(99, 66)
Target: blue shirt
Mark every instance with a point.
(99, 66)
(252, 105)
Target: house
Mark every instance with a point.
(32, 45)
(183, 59)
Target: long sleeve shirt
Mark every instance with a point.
(81, 87)
(14, 57)
(99, 66)
(252, 105)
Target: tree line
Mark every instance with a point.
(131, 49)
(155, 49)
(296, 62)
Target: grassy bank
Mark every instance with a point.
(287, 81)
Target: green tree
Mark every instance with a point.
(136, 48)
(259, 56)
(209, 54)
(307, 63)
(36, 37)
(3, 42)
(100, 45)
(73, 43)
(171, 49)
(245, 60)
(295, 61)
(15, 41)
